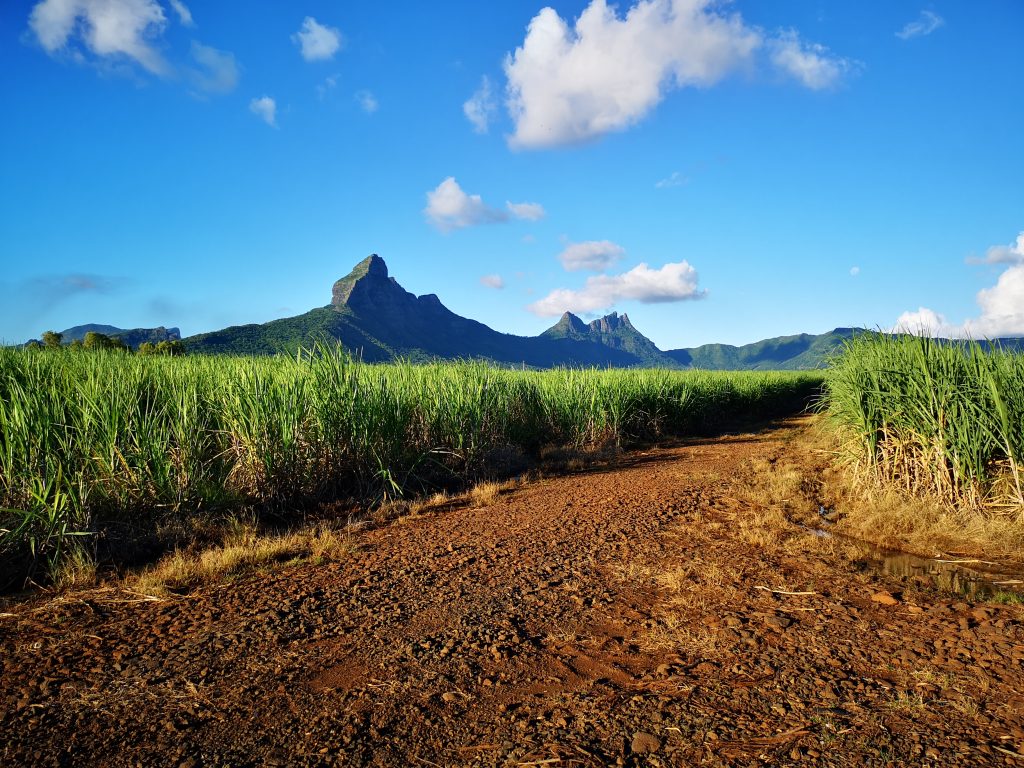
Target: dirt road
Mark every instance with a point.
(612, 617)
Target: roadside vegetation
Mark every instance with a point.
(933, 437)
(100, 449)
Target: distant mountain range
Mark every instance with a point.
(378, 320)
(374, 317)
(130, 336)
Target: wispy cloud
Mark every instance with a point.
(854, 271)
(217, 71)
(316, 41)
(923, 25)
(591, 255)
(481, 106)
(266, 109)
(184, 14)
(810, 64)
(671, 283)
(493, 281)
(329, 84)
(367, 102)
(674, 179)
(50, 291)
(526, 211)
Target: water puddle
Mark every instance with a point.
(970, 578)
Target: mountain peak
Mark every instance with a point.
(371, 270)
(611, 322)
(568, 322)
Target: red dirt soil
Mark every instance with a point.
(611, 617)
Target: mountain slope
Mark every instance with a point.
(374, 317)
(378, 320)
(615, 332)
(801, 352)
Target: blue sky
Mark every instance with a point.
(723, 172)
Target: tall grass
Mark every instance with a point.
(94, 439)
(935, 417)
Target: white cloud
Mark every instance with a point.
(809, 63)
(526, 211)
(1003, 254)
(184, 14)
(923, 25)
(266, 108)
(672, 282)
(923, 322)
(449, 208)
(480, 107)
(330, 83)
(317, 41)
(566, 85)
(108, 29)
(854, 271)
(1002, 305)
(493, 281)
(570, 83)
(218, 72)
(674, 179)
(592, 255)
(367, 102)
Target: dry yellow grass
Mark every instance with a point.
(486, 493)
(243, 549)
(813, 471)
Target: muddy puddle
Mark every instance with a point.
(971, 578)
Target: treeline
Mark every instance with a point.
(96, 340)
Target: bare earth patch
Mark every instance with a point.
(651, 613)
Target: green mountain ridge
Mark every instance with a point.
(133, 337)
(376, 319)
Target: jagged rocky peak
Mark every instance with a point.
(370, 272)
(570, 322)
(611, 322)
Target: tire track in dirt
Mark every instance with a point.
(607, 617)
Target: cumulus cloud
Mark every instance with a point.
(923, 25)
(810, 64)
(317, 41)
(493, 281)
(924, 322)
(592, 255)
(367, 102)
(526, 211)
(266, 109)
(1003, 254)
(108, 30)
(672, 282)
(217, 71)
(184, 14)
(674, 179)
(1001, 306)
(605, 72)
(450, 208)
(480, 107)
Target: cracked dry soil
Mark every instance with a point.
(611, 617)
